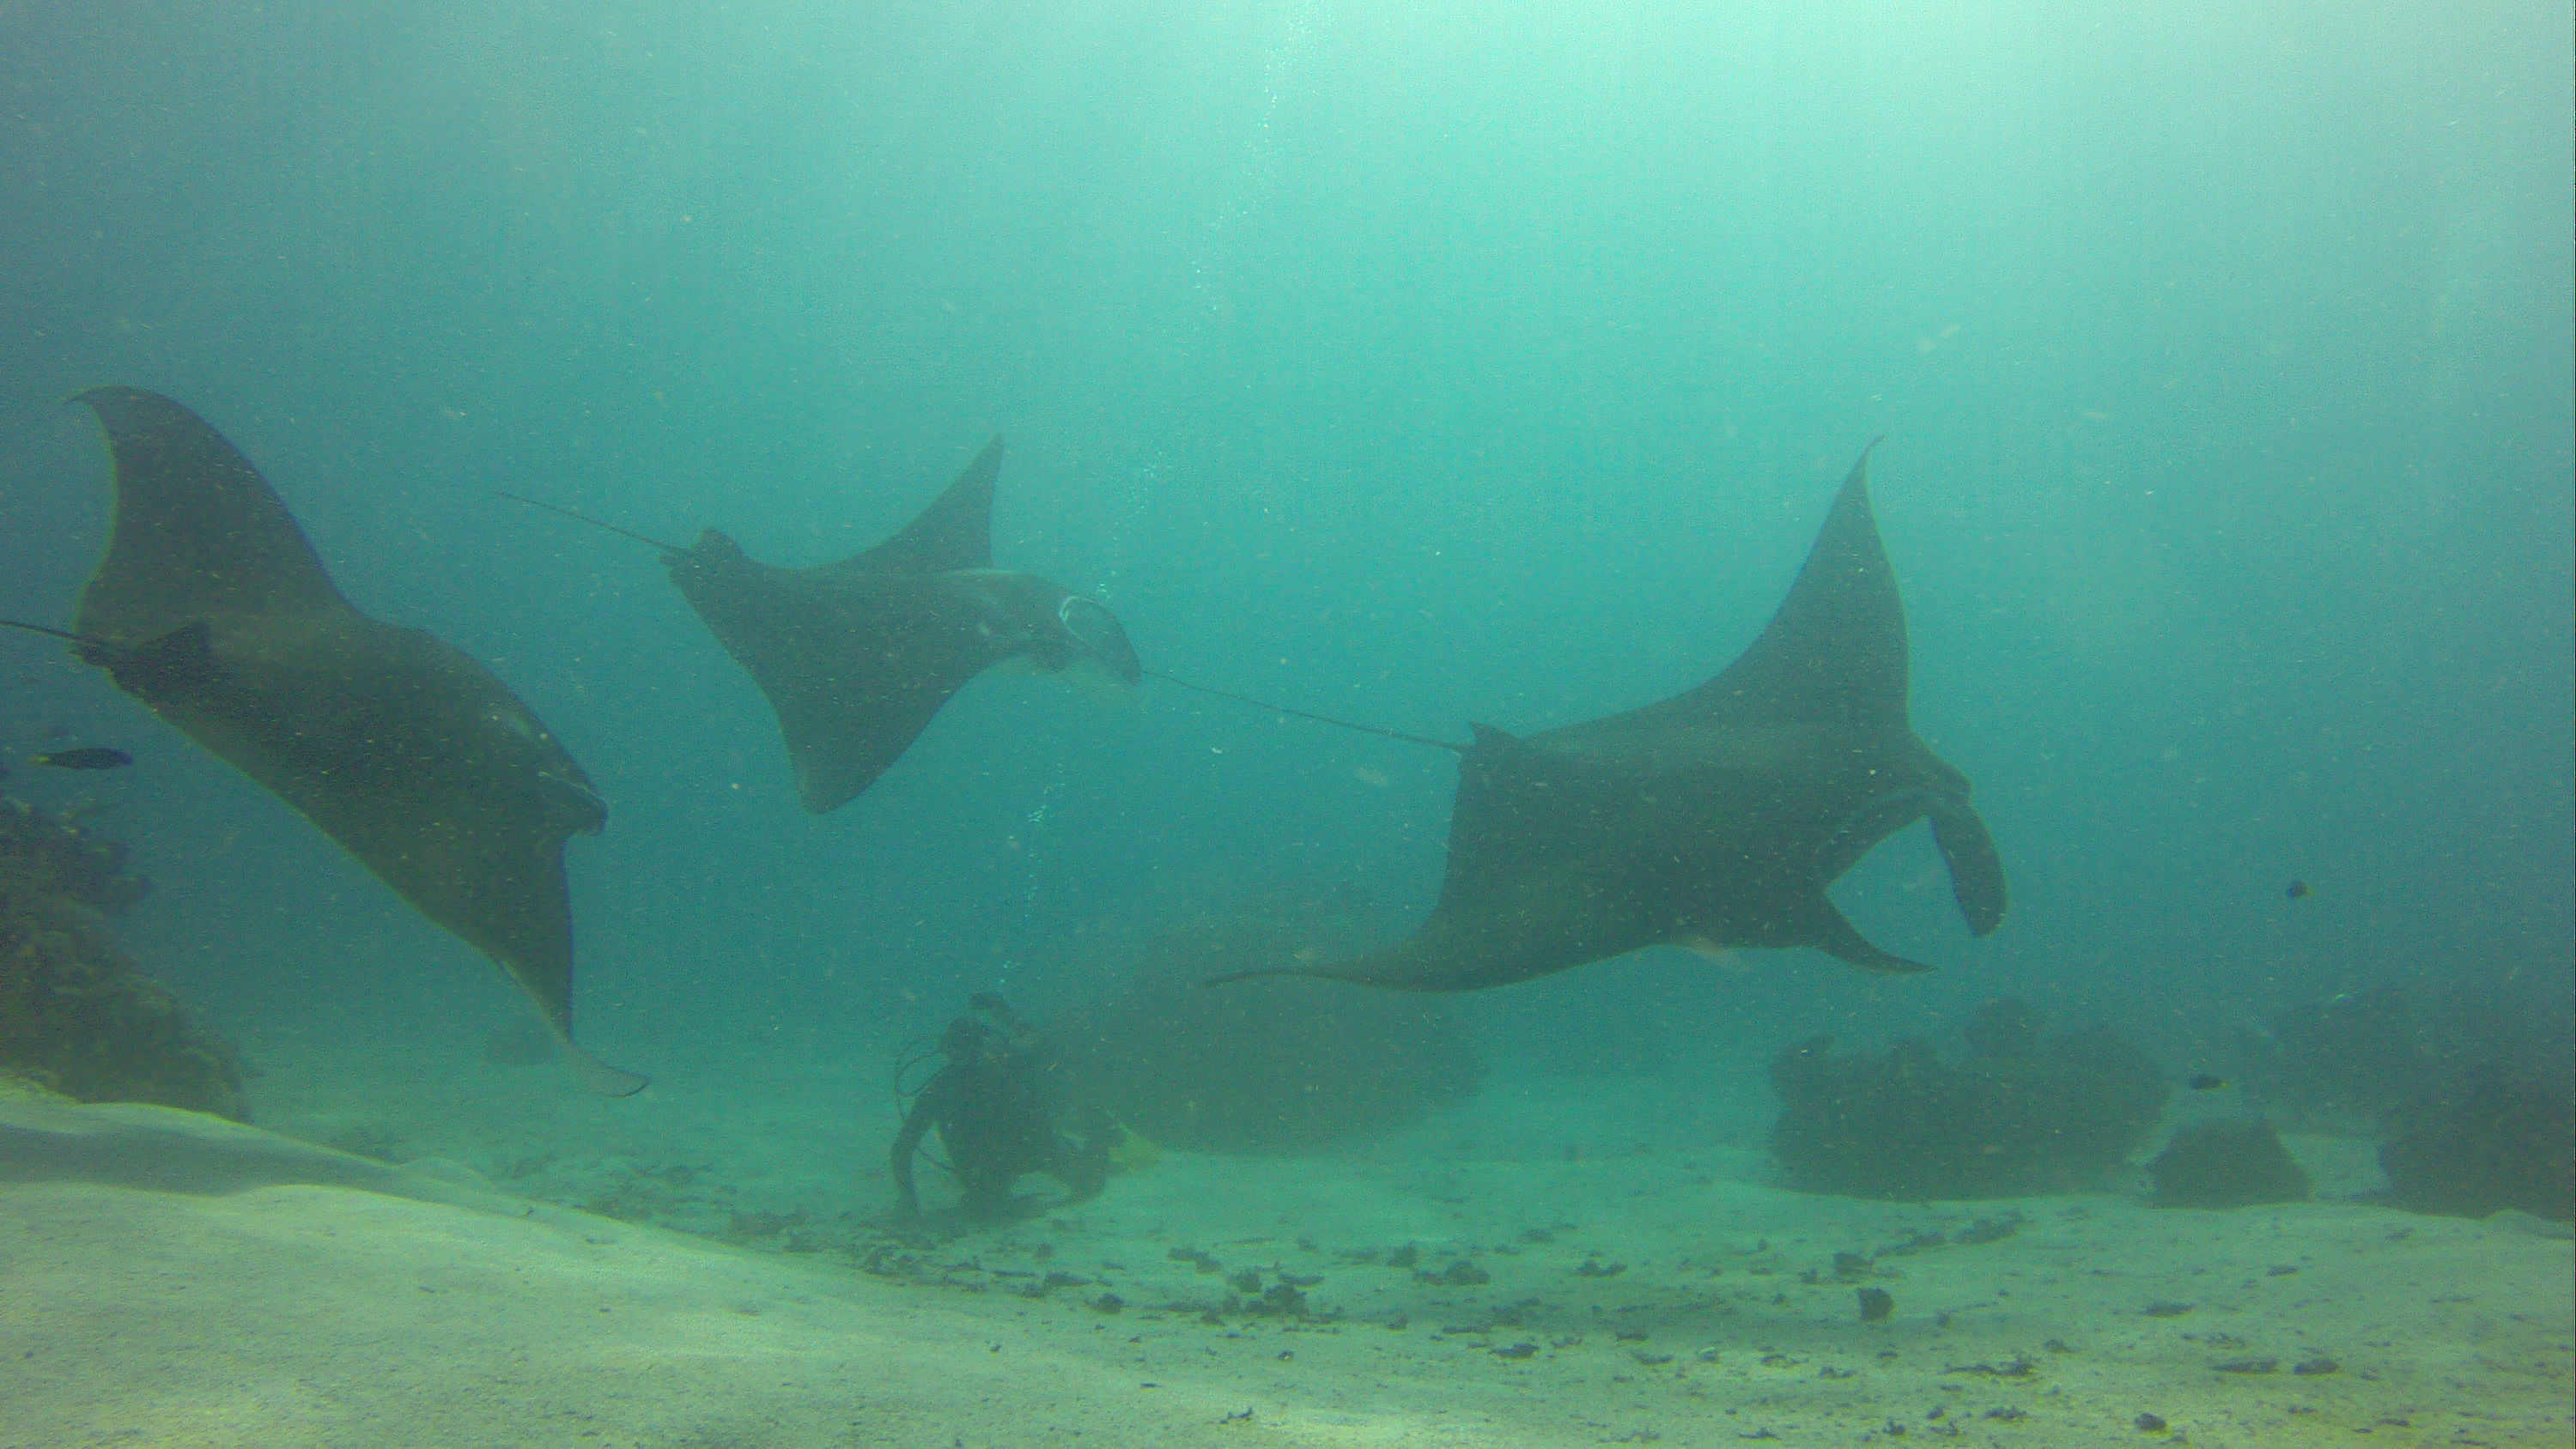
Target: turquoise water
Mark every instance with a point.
(1415, 364)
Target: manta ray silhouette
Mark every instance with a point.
(856, 655)
(1712, 819)
(211, 608)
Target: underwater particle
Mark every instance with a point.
(94, 757)
(2297, 890)
(1876, 1304)
(2149, 1424)
(2207, 1083)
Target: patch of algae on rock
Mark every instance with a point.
(76, 1018)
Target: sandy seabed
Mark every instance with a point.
(168, 1279)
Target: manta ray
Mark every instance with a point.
(856, 655)
(211, 608)
(1713, 819)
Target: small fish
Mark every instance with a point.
(2207, 1083)
(91, 758)
(2297, 890)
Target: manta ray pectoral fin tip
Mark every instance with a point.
(1836, 937)
(599, 1076)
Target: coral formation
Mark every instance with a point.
(2491, 1140)
(2225, 1164)
(2340, 1064)
(1275, 1065)
(75, 1016)
(2024, 1113)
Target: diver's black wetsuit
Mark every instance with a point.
(994, 1121)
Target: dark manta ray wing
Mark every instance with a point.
(1835, 651)
(1717, 817)
(211, 608)
(198, 531)
(855, 663)
(954, 532)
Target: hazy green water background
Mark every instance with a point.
(1421, 363)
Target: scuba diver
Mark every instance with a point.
(990, 1106)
